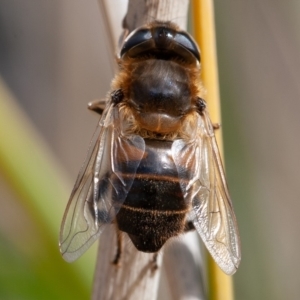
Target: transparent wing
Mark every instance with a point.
(203, 183)
(102, 184)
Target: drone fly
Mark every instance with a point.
(154, 164)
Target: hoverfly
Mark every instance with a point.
(154, 163)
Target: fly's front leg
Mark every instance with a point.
(97, 106)
(216, 126)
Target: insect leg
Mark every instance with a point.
(201, 106)
(189, 226)
(117, 258)
(97, 106)
(154, 265)
(216, 126)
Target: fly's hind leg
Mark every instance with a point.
(154, 265)
(118, 254)
(189, 226)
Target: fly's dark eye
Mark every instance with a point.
(186, 41)
(162, 42)
(137, 37)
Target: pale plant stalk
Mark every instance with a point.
(135, 278)
(220, 284)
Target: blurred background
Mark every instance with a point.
(54, 59)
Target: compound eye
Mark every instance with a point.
(186, 41)
(135, 38)
(163, 42)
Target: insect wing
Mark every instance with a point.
(203, 183)
(99, 184)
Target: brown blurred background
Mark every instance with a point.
(54, 58)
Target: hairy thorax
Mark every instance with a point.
(159, 96)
